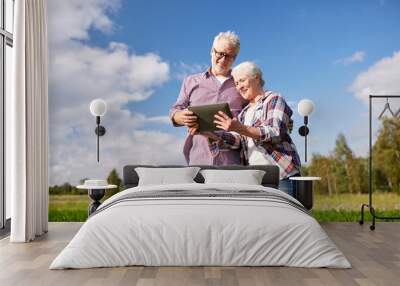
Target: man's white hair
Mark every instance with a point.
(249, 69)
(230, 37)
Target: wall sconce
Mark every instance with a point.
(98, 107)
(305, 108)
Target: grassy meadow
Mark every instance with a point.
(344, 207)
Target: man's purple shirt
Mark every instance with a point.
(200, 89)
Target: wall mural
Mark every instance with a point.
(135, 55)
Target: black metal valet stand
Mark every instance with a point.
(370, 205)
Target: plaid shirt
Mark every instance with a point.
(271, 117)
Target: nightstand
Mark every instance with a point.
(304, 190)
(96, 193)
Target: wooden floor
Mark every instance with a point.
(374, 255)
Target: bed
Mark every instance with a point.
(201, 224)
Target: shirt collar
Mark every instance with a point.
(265, 96)
(208, 73)
(260, 100)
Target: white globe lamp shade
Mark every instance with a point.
(98, 107)
(305, 107)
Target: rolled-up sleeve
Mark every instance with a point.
(227, 141)
(182, 102)
(230, 140)
(273, 121)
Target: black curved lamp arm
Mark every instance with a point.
(303, 131)
(100, 131)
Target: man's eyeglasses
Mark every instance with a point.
(220, 55)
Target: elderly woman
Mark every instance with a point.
(261, 129)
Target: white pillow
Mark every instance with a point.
(249, 177)
(166, 176)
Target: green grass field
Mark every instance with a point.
(345, 207)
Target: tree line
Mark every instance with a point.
(341, 171)
(67, 189)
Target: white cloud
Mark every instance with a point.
(79, 73)
(116, 150)
(73, 19)
(356, 57)
(183, 69)
(383, 77)
(159, 119)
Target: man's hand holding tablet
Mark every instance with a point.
(185, 117)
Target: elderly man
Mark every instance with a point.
(212, 86)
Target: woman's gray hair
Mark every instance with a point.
(230, 37)
(249, 69)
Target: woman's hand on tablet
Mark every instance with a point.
(226, 123)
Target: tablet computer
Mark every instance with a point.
(205, 115)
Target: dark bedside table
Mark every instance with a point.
(304, 190)
(96, 193)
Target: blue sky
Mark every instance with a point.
(296, 43)
(331, 52)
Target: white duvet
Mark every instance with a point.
(187, 231)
